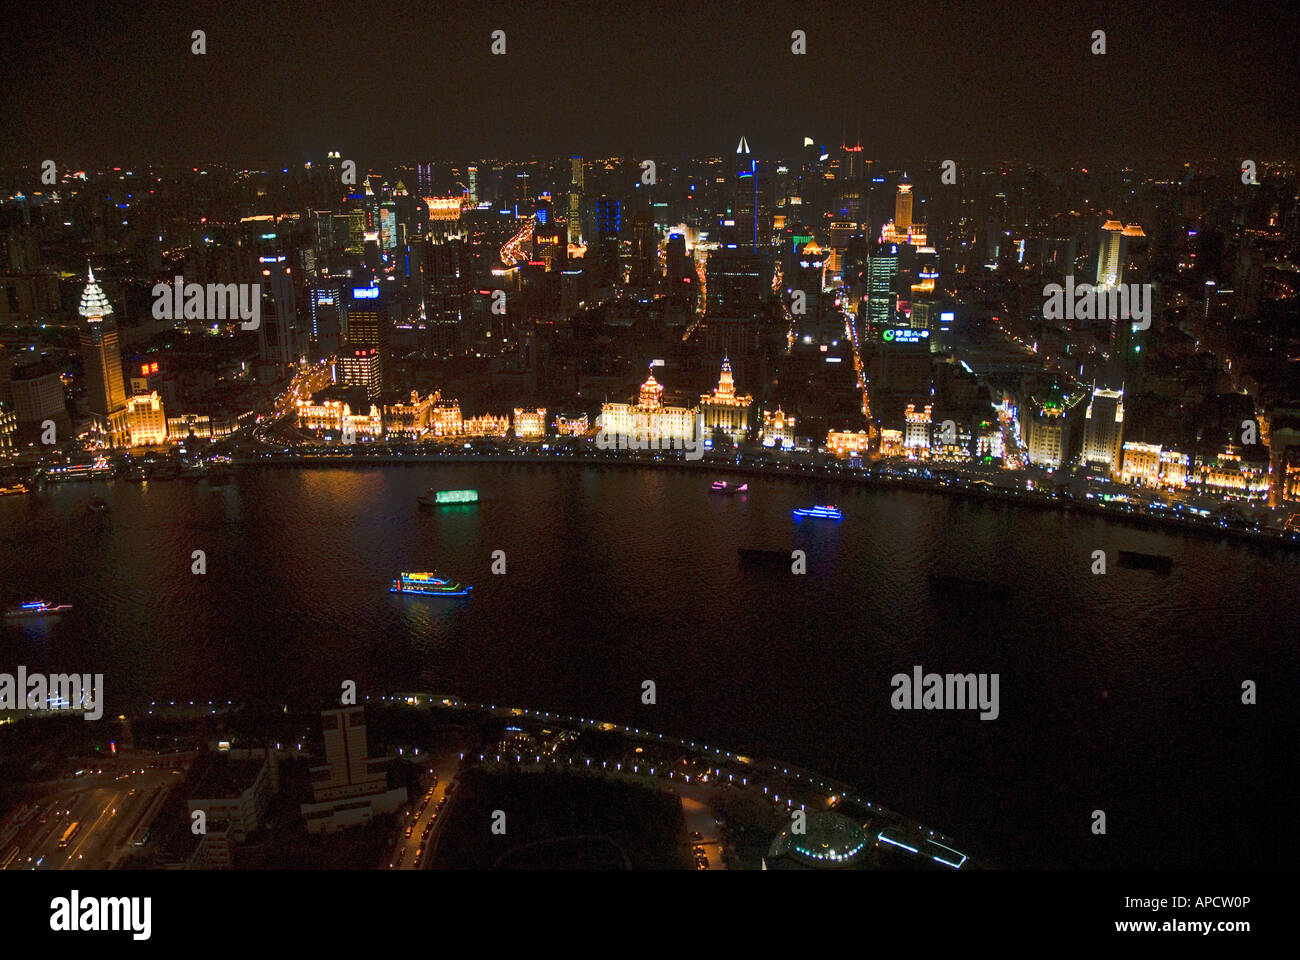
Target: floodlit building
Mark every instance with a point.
(148, 419)
(572, 425)
(530, 424)
(916, 433)
(102, 358)
(648, 417)
(846, 444)
(725, 410)
(486, 426)
(1103, 430)
(778, 429)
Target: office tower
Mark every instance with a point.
(361, 355)
(882, 275)
(608, 220)
(1103, 429)
(738, 283)
(278, 330)
(903, 207)
(325, 302)
(102, 359)
(681, 266)
(751, 205)
(1247, 283)
(388, 236)
(1047, 433)
(370, 205)
(1110, 254)
(817, 324)
(447, 306)
(37, 392)
(841, 233)
(576, 188)
(645, 251)
(473, 184)
(8, 426)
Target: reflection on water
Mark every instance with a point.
(1119, 692)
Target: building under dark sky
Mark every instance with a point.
(287, 81)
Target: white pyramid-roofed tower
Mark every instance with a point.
(93, 301)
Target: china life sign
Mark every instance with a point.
(904, 335)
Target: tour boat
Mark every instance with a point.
(826, 512)
(428, 585)
(36, 608)
(721, 486)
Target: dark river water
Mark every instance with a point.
(1119, 693)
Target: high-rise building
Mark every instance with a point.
(37, 392)
(608, 219)
(903, 207)
(361, 354)
(447, 303)
(101, 356)
(1103, 429)
(738, 283)
(576, 232)
(882, 276)
(1112, 251)
(645, 251)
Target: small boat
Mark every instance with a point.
(97, 505)
(721, 486)
(36, 608)
(750, 555)
(428, 585)
(824, 512)
(1145, 561)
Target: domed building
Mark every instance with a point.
(831, 840)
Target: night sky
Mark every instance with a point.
(89, 84)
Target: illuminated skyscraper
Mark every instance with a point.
(903, 207)
(575, 201)
(882, 275)
(1113, 251)
(102, 359)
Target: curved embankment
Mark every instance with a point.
(850, 479)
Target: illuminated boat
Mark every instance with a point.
(15, 490)
(428, 585)
(721, 486)
(36, 608)
(826, 512)
(443, 498)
